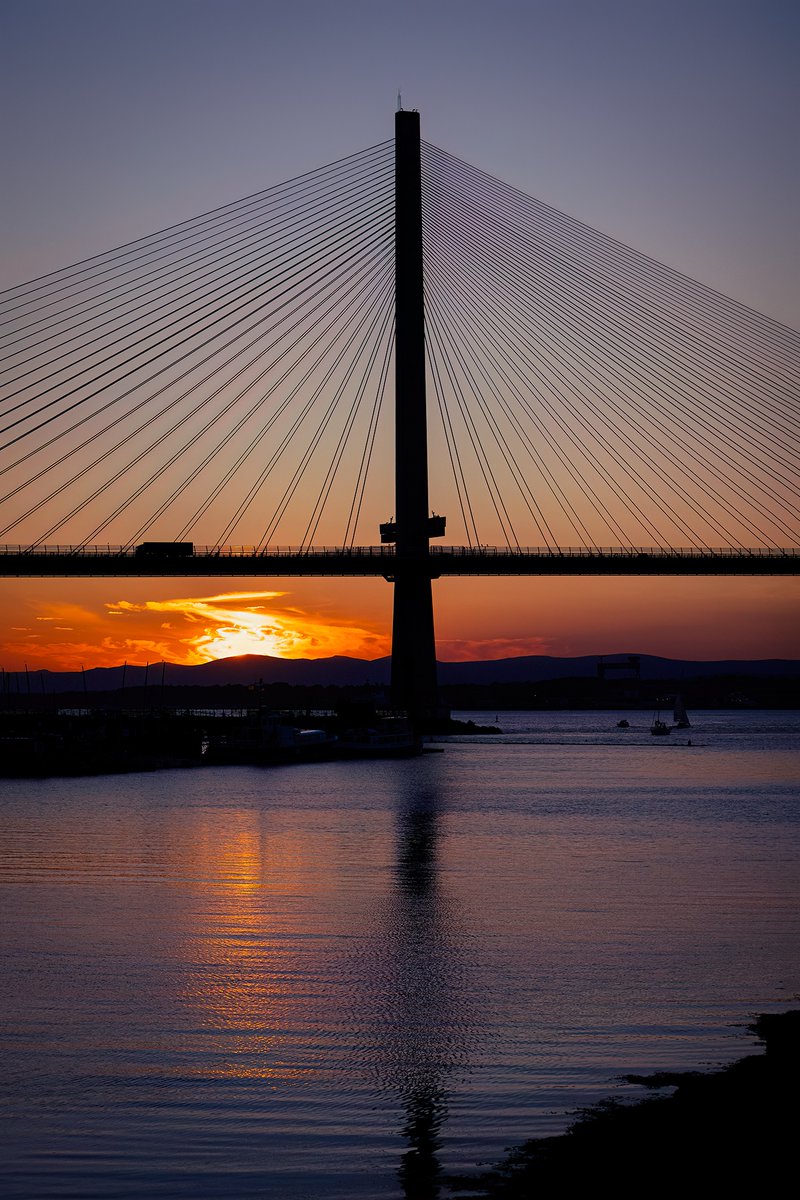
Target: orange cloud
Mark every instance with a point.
(198, 628)
(232, 624)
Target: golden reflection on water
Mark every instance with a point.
(242, 974)
(259, 961)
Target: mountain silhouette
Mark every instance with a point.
(343, 671)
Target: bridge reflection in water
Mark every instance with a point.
(429, 1017)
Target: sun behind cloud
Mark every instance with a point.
(236, 623)
(185, 630)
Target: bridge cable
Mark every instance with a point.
(604, 247)
(662, 447)
(470, 343)
(274, 225)
(207, 399)
(306, 307)
(354, 514)
(338, 452)
(166, 347)
(483, 219)
(283, 405)
(472, 433)
(456, 466)
(178, 454)
(512, 264)
(316, 438)
(489, 325)
(265, 428)
(771, 513)
(159, 289)
(448, 336)
(386, 147)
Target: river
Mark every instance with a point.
(338, 980)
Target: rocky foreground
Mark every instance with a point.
(734, 1129)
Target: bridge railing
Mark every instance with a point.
(626, 552)
(614, 551)
(204, 551)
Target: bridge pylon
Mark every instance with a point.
(414, 685)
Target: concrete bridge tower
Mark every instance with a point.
(413, 644)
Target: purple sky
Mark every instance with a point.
(671, 126)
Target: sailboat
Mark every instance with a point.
(659, 728)
(679, 715)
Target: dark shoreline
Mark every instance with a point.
(116, 741)
(735, 1128)
(639, 682)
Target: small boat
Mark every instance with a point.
(623, 724)
(679, 715)
(659, 728)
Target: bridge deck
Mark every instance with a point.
(87, 561)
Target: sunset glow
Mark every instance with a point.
(237, 623)
(64, 625)
(185, 630)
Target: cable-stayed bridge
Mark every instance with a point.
(225, 397)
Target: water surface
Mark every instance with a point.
(331, 980)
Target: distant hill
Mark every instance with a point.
(355, 672)
(537, 668)
(244, 670)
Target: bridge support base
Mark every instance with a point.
(414, 647)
